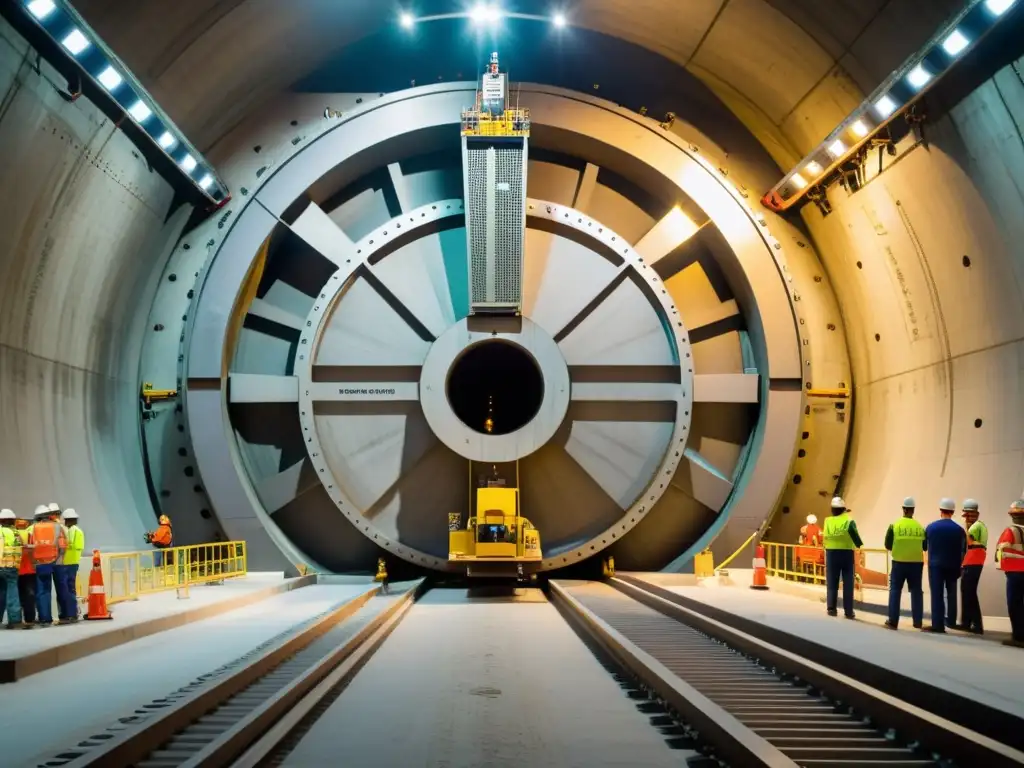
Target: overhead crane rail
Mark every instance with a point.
(760, 704)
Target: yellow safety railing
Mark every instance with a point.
(129, 575)
(806, 564)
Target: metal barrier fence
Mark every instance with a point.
(797, 562)
(129, 575)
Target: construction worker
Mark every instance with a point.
(67, 570)
(905, 539)
(1010, 560)
(10, 561)
(841, 539)
(47, 539)
(974, 561)
(946, 544)
(27, 573)
(161, 538)
(809, 552)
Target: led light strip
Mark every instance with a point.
(902, 88)
(483, 15)
(62, 23)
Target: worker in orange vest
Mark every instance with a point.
(1010, 560)
(27, 574)
(161, 538)
(810, 552)
(47, 539)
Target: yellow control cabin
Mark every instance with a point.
(497, 540)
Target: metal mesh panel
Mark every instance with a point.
(495, 195)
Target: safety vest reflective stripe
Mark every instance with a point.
(837, 532)
(1010, 554)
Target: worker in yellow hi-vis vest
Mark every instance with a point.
(66, 571)
(841, 539)
(905, 539)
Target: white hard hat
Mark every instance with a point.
(969, 505)
(838, 503)
(70, 514)
(7, 514)
(812, 519)
(946, 504)
(41, 511)
(53, 506)
(1017, 507)
(909, 503)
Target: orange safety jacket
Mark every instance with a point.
(810, 534)
(48, 541)
(27, 566)
(1010, 549)
(161, 537)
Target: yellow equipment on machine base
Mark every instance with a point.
(498, 541)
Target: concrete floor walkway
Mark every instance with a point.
(85, 696)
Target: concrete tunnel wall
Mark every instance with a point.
(930, 257)
(81, 237)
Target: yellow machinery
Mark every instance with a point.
(497, 540)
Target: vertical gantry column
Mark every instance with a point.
(494, 177)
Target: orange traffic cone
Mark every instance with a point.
(760, 576)
(97, 594)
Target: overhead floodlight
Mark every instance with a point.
(860, 130)
(206, 181)
(41, 8)
(798, 181)
(918, 76)
(110, 78)
(140, 112)
(885, 106)
(813, 167)
(837, 148)
(188, 163)
(559, 20)
(955, 43)
(407, 20)
(998, 7)
(167, 140)
(75, 42)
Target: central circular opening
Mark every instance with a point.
(495, 387)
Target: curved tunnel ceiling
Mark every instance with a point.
(789, 69)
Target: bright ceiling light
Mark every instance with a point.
(998, 7)
(798, 181)
(918, 76)
(188, 163)
(813, 167)
(559, 20)
(110, 78)
(482, 14)
(955, 43)
(884, 107)
(167, 140)
(837, 148)
(206, 181)
(75, 42)
(140, 112)
(860, 130)
(41, 8)
(407, 20)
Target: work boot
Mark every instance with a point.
(849, 615)
(1014, 643)
(832, 613)
(935, 630)
(889, 625)
(976, 630)
(919, 626)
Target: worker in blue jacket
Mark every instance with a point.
(946, 546)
